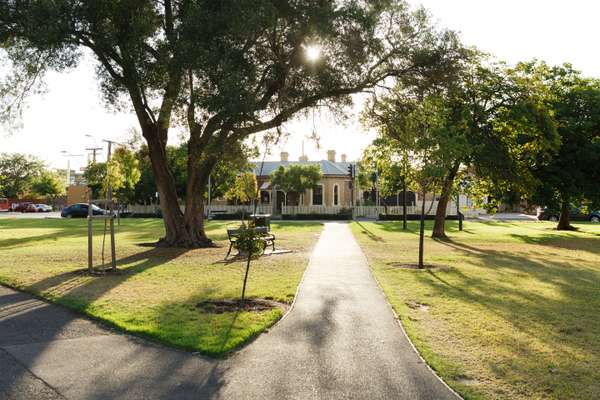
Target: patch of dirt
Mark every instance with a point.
(416, 266)
(98, 271)
(251, 305)
(415, 305)
(465, 380)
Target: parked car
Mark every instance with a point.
(576, 214)
(80, 210)
(43, 207)
(20, 207)
(31, 208)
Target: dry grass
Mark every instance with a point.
(514, 313)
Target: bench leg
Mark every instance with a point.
(273, 243)
(229, 251)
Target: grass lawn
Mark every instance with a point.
(157, 292)
(514, 313)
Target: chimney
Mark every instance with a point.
(303, 158)
(284, 156)
(343, 158)
(331, 155)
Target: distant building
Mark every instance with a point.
(334, 190)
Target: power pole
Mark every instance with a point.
(94, 150)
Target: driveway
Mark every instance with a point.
(340, 341)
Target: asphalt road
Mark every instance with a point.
(20, 215)
(340, 341)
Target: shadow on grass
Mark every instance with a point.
(566, 241)
(163, 374)
(560, 310)
(369, 233)
(79, 285)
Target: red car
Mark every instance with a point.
(16, 207)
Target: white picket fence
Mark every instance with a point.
(358, 211)
(213, 209)
(325, 210)
(374, 211)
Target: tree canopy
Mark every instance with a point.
(17, 173)
(572, 175)
(223, 69)
(296, 179)
(121, 172)
(488, 119)
(244, 188)
(47, 184)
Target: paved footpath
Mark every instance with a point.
(340, 341)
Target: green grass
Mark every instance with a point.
(157, 292)
(512, 312)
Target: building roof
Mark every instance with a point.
(328, 168)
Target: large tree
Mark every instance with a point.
(222, 178)
(572, 176)
(488, 119)
(17, 173)
(227, 69)
(48, 184)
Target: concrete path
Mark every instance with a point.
(341, 341)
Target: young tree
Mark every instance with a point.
(122, 173)
(17, 173)
(296, 179)
(393, 170)
(244, 189)
(125, 163)
(229, 69)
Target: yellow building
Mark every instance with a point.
(336, 188)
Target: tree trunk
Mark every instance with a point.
(422, 233)
(179, 231)
(194, 207)
(439, 227)
(564, 222)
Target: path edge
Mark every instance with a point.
(301, 283)
(399, 322)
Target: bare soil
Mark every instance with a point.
(251, 305)
(416, 266)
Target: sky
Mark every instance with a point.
(556, 31)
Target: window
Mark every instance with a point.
(265, 197)
(317, 196)
(336, 195)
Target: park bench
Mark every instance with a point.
(265, 236)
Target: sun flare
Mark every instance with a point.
(313, 52)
